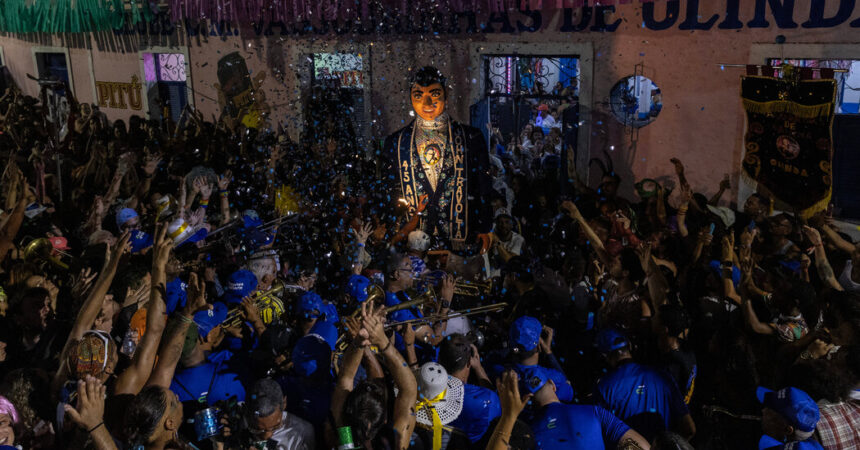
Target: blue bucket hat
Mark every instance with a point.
(532, 378)
(794, 405)
(177, 295)
(311, 305)
(124, 215)
(311, 356)
(610, 339)
(206, 321)
(356, 287)
(326, 331)
(525, 333)
(240, 284)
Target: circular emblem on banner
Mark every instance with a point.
(787, 146)
(432, 154)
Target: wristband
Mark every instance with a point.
(185, 319)
(386, 347)
(95, 427)
(223, 193)
(203, 203)
(360, 244)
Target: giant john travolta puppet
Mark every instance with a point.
(439, 167)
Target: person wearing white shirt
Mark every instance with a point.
(506, 244)
(269, 422)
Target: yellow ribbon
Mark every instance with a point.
(437, 423)
(178, 230)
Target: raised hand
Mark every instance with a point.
(162, 246)
(150, 164)
(372, 319)
(509, 393)
(447, 288)
(546, 340)
(224, 180)
(121, 247)
(812, 234)
(679, 166)
(571, 209)
(363, 232)
(88, 414)
(196, 295)
(726, 183)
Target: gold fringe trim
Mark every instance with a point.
(819, 206)
(782, 106)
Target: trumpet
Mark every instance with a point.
(40, 249)
(461, 287)
(427, 297)
(270, 307)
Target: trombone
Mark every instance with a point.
(376, 292)
(451, 315)
(461, 287)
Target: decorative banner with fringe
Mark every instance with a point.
(315, 11)
(788, 141)
(70, 16)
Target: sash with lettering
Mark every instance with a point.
(459, 206)
(788, 144)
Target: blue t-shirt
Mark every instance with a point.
(645, 398)
(480, 407)
(209, 379)
(560, 426)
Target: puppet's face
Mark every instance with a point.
(428, 101)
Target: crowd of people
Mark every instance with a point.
(192, 285)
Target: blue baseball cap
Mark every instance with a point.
(140, 241)
(326, 331)
(736, 273)
(768, 443)
(356, 287)
(794, 405)
(532, 378)
(610, 339)
(124, 215)
(311, 356)
(240, 284)
(311, 305)
(177, 295)
(329, 310)
(525, 333)
(207, 320)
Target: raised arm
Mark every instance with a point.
(346, 376)
(404, 415)
(132, 380)
(725, 184)
(837, 240)
(596, 243)
(92, 305)
(822, 265)
(512, 405)
(174, 336)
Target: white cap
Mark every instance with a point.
(418, 240)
